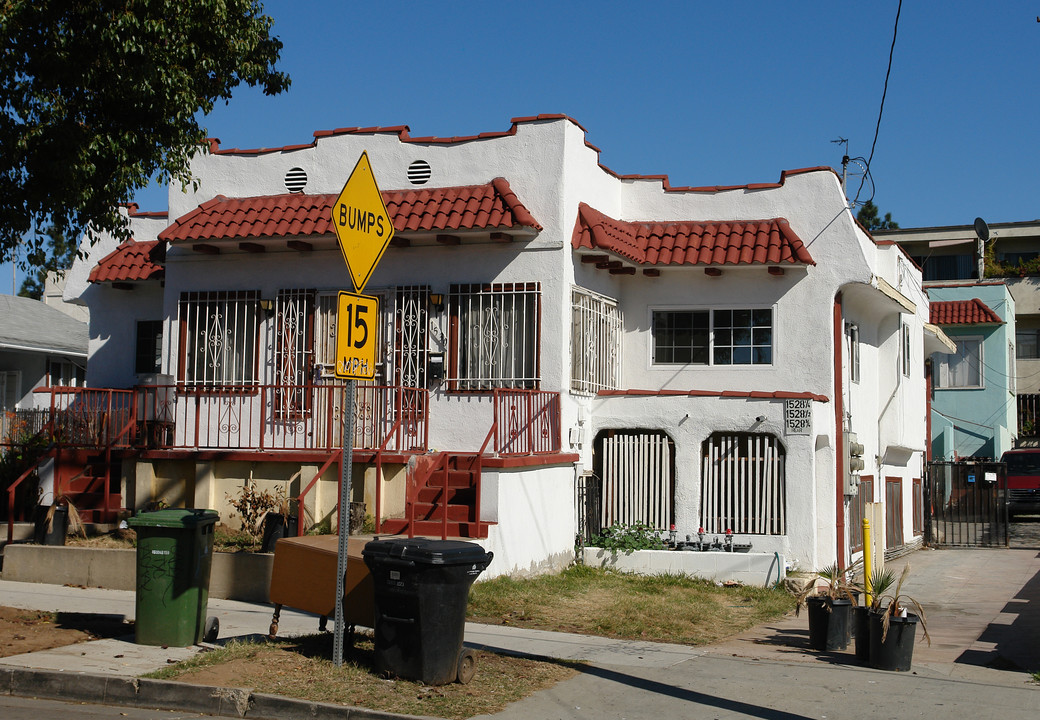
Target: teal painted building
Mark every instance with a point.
(974, 411)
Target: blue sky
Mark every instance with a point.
(706, 93)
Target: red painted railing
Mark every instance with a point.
(278, 417)
(527, 422)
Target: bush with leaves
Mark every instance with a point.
(253, 505)
(628, 537)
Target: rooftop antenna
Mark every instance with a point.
(982, 233)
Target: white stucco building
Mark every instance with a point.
(612, 348)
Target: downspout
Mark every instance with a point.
(839, 435)
(928, 410)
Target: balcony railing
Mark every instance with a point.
(527, 422)
(278, 417)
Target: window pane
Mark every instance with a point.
(723, 356)
(742, 356)
(763, 356)
(680, 337)
(763, 317)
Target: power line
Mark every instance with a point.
(881, 110)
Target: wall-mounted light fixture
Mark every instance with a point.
(267, 306)
(437, 301)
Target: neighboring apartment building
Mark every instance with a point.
(955, 253)
(974, 399)
(550, 330)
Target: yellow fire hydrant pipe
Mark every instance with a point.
(867, 562)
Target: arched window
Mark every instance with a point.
(743, 485)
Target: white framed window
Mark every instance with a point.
(494, 336)
(219, 336)
(595, 342)
(962, 369)
(10, 390)
(1012, 367)
(852, 338)
(66, 373)
(149, 347)
(904, 349)
(713, 337)
(1027, 344)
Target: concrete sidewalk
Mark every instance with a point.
(983, 614)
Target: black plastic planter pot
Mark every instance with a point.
(861, 632)
(52, 533)
(828, 623)
(276, 527)
(896, 651)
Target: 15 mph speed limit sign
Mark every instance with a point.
(356, 336)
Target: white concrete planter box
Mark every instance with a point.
(761, 569)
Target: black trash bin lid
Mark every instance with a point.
(174, 518)
(426, 551)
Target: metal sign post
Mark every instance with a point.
(346, 472)
(363, 230)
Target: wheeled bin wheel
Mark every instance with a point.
(467, 667)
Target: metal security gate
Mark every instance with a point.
(967, 504)
(637, 472)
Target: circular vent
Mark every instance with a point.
(419, 172)
(295, 180)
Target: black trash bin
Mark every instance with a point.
(421, 588)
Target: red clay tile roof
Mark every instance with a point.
(746, 394)
(737, 242)
(472, 207)
(131, 261)
(962, 312)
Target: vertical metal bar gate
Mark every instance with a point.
(966, 504)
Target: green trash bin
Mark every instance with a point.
(174, 555)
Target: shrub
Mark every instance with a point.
(626, 538)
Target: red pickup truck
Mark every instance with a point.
(1023, 481)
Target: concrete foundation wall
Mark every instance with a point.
(762, 569)
(234, 576)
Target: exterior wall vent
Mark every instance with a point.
(419, 172)
(295, 180)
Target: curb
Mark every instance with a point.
(146, 693)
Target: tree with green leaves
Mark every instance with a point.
(99, 97)
(870, 217)
(56, 254)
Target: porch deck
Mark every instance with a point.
(94, 428)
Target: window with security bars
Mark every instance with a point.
(494, 336)
(219, 336)
(293, 352)
(595, 342)
(743, 484)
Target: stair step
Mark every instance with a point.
(456, 478)
(455, 496)
(86, 483)
(456, 513)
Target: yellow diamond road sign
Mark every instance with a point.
(363, 226)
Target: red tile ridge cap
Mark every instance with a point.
(747, 394)
(976, 283)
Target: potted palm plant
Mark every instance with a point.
(880, 581)
(829, 608)
(893, 628)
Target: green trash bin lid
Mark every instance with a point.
(174, 518)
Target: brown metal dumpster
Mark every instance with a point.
(304, 577)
